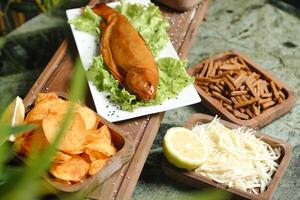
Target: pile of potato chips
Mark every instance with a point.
(84, 148)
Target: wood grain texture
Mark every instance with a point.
(265, 117)
(180, 5)
(197, 181)
(142, 130)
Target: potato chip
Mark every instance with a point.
(89, 116)
(74, 169)
(95, 155)
(105, 133)
(35, 140)
(61, 157)
(91, 136)
(40, 97)
(40, 111)
(61, 106)
(104, 148)
(86, 157)
(102, 134)
(100, 140)
(96, 166)
(74, 137)
(83, 149)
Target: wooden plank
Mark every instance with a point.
(129, 182)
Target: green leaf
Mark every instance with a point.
(41, 23)
(172, 79)
(149, 22)
(88, 21)
(14, 85)
(2, 42)
(105, 81)
(7, 130)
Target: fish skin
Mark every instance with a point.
(126, 54)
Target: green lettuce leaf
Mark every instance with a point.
(149, 22)
(172, 79)
(104, 81)
(88, 21)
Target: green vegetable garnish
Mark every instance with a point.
(149, 22)
(172, 79)
(88, 21)
(104, 81)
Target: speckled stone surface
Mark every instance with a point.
(271, 37)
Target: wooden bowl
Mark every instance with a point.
(266, 116)
(122, 142)
(198, 181)
(180, 5)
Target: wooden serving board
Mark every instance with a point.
(256, 122)
(190, 178)
(58, 72)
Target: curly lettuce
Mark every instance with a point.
(149, 22)
(105, 81)
(172, 79)
(88, 21)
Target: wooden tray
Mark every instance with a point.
(121, 140)
(259, 121)
(200, 181)
(58, 72)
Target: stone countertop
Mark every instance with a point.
(269, 33)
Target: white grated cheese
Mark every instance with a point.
(236, 157)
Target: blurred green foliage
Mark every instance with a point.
(23, 182)
(24, 52)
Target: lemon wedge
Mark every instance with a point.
(183, 148)
(14, 114)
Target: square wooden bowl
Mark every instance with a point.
(198, 181)
(266, 116)
(120, 139)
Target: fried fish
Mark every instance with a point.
(126, 54)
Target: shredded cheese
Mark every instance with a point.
(236, 157)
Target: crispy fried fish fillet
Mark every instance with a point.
(126, 54)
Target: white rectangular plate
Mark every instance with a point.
(87, 48)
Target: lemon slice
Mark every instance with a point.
(14, 114)
(183, 148)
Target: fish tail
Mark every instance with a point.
(103, 10)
